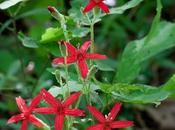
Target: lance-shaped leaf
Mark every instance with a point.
(137, 52)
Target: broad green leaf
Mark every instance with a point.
(27, 41)
(141, 50)
(52, 35)
(8, 3)
(137, 52)
(135, 93)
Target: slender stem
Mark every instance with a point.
(92, 38)
(64, 27)
(60, 78)
(69, 121)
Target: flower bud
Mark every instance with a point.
(51, 9)
(57, 15)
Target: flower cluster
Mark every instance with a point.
(60, 110)
(56, 107)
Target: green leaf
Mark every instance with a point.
(122, 9)
(156, 21)
(52, 35)
(27, 41)
(135, 93)
(9, 3)
(128, 5)
(75, 12)
(80, 32)
(74, 87)
(137, 52)
(170, 85)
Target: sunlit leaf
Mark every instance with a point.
(52, 35)
(8, 3)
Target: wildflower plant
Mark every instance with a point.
(80, 97)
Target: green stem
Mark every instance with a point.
(64, 27)
(69, 120)
(92, 38)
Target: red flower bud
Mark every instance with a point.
(51, 9)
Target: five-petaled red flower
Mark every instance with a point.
(26, 113)
(108, 123)
(93, 3)
(79, 55)
(60, 109)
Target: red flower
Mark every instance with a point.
(26, 115)
(79, 56)
(108, 123)
(94, 3)
(60, 109)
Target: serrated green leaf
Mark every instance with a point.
(52, 35)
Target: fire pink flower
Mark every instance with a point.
(59, 109)
(108, 123)
(80, 56)
(94, 3)
(26, 115)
